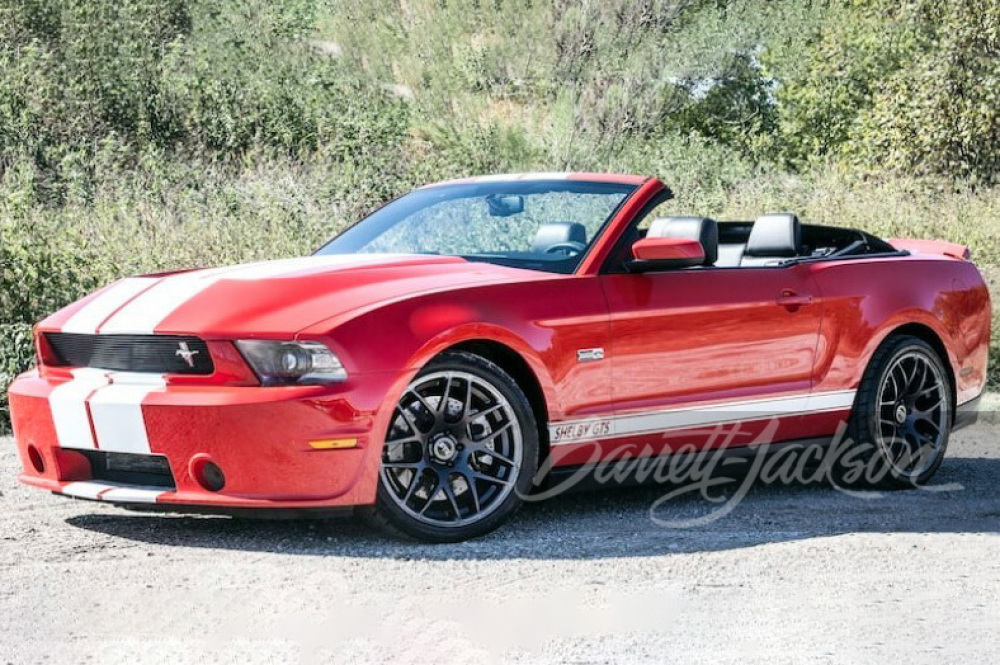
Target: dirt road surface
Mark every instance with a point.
(793, 574)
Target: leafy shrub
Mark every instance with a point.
(84, 83)
(939, 113)
(907, 87)
(43, 269)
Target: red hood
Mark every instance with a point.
(269, 299)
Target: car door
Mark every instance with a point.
(697, 349)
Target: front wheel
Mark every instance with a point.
(461, 450)
(902, 417)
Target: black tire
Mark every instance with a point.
(898, 430)
(456, 506)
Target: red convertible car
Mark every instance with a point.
(425, 362)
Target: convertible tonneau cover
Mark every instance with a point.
(942, 247)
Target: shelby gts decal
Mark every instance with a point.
(646, 422)
(572, 432)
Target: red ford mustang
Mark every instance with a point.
(424, 362)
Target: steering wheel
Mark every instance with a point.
(569, 247)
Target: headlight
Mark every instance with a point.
(280, 363)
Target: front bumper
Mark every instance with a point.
(967, 413)
(272, 444)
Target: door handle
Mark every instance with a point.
(789, 298)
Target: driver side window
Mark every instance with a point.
(622, 252)
(659, 210)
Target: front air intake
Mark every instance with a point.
(130, 468)
(159, 354)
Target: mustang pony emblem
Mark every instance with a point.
(186, 353)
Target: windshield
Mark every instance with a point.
(542, 225)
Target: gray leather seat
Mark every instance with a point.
(773, 239)
(730, 255)
(549, 235)
(702, 229)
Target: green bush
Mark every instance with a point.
(86, 83)
(43, 268)
(905, 87)
(940, 113)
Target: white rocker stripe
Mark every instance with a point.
(831, 401)
(109, 492)
(651, 422)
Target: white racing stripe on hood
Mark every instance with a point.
(94, 313)
(114, 420)
(144, 313)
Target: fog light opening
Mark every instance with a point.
(36, 459)
(208, 474)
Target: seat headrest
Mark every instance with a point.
(556, 232)
(776, 235)
(702, 229)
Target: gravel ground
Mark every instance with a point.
(794, 573)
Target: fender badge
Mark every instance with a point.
(586, 355)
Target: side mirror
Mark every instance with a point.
(653, 254)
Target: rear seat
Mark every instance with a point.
(730, 255)
(773, 239)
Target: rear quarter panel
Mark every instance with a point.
(865, 300)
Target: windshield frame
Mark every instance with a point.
(569, 266)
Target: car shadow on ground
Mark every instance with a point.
(615, 522)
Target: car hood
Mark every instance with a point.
(268, 299)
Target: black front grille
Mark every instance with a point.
(130, 468)
(162, 354)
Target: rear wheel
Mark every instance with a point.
(902, 417)
(462, 448)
